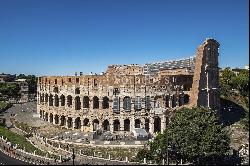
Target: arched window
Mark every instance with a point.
(95, 102)
(50, 100)
(105, 102)
(62, 98)
(127, 103)
(105, 125)
(137, 123)
(126, 125)
(56, 101)
(69, 101)
(85, 102)
(116, 125)
(77, 103)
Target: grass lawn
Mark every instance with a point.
(22, 142)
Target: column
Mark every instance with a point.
(163, 123)
(73, 123)
(122, 124)
(143, 123)
(54, 119)
(170, 101)
(132, 123)
(59, 120)
(82, 127)
(151, 125)
(111, 126)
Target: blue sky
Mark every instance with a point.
(59, 37)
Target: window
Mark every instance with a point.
(127, 103)
(55, 81)
(116, 105)
(148, 104)
(69, 79)
(77, 80)
(138, 103)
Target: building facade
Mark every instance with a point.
(126, 97)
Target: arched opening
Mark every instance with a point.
(147, 125)
(105, 102)
(126, 125)
(50, 118)
(127, 103)
(69, 122)
(116, 105)
(50, 100)
(77, 123)
(56, 101)
(157, 124)
(95, 125)
(62, 98)
(63, 120)
(116, 125)
(56, 119)
(69, 101)
(85, 102)
(77, 91)
(137, 123)
(95, 102)
(105, 125)
(77, 103)
(46, 98)
(46, 116)
(86, 122)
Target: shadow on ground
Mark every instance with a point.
(230, 112)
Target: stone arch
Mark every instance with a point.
(86, 122)
(77, 103)
(147, 124)
(62, 98)
(116, 125)
(50, 118)
(63, 120)
(46, 116)
(85, 102)
(50, 100)
(127, 103)
(69, 122)
(56, 101)
(95, 102)
(106, 125)
(78, 123)
(69, 100)
(157, 124)
(105, 102)
(137, 123)
(126, 125)
(95, 124)
(56, 119)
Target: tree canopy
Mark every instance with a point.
(192, 134)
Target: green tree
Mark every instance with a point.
(191, 135)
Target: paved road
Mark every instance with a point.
(7, 160)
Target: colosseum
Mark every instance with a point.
(128, 97)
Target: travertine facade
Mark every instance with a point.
(131, 96)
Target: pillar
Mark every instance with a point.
(151, 125)
(163, 123)
(122, 124)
